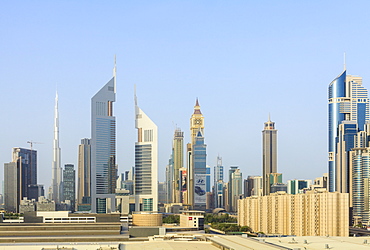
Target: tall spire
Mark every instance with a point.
(197, 107)
(269, 118)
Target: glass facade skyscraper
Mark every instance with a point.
(69, 185)
(103, 148)
(200, 171)
(348, 101)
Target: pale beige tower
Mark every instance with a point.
(269, 154)
(178, 163)
(196, 122)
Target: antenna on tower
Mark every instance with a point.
(345, 61)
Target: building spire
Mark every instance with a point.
(345, 61)
(115, 72)
(197, 107)
(269, 118)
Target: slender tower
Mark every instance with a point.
(197, 168)
(146, 162)
(269, 154)
(103, 148)
(56, 182)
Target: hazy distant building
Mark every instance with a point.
(84, 171)
(161, 192)
(253, 186)
(278, 187)
(146, 162)
(218, 183)
(56, 188)
(314, 213)
(269, 154)
(35, 191)
(236, 188)
(297, 186)
(348, 113)
(12, 187)
(103, 148)
(169, 180)
(229, 206)
(69, 185)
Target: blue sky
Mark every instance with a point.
(242, 59)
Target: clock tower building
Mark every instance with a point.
(197, 161)
(196, 122)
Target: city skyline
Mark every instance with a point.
(239, 72)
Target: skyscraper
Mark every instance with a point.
(178, 162)
(200, 171)
(196, 160)
(56, 181)
(103, 148)
(230, 189)
(12, 187)
(146, 163)
(19, 175)
(84, 171)
(348, 101)
(269, 154)
(237, 190)
(218, 183)
(69, 185)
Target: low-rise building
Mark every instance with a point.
(193, 219)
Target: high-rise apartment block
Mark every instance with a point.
(84, 172)
(69, 185)
(269, 154)
(314, 213)
(146, 162)
(103, 148)
(348, 113)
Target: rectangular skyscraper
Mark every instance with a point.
(146, 163)
(103, 148)
(218, 183)
(84, 171)
(348, 113)
(269, 154)
(69, 185)
(178, 163)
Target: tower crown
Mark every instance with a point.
(197, 107)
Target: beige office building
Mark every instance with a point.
(315, 213)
